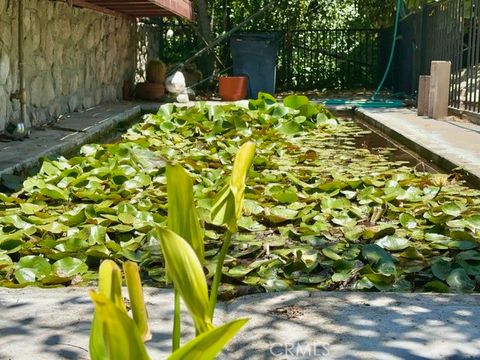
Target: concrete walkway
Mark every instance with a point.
(54, 324)
(448, 144)
(65, 136)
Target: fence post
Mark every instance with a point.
(439, 89)
(423, 95)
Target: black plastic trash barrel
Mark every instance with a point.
(255, 56)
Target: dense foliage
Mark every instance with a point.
(320, 213)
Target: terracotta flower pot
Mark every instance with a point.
(149, 91)
(233, 88)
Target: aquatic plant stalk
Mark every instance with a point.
(177, 321)
(218, 272)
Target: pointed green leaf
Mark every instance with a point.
(184, 268)
(228, 205)
(109, 287)
(120, 336)
(182, 215)
(137, 302)
(207, 345)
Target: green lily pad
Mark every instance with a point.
(31, 268)
(393, 243)
(459, 280)
(69, 266)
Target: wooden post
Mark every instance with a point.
(439, 89)
(423, 95)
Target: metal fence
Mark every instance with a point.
(308, 59)
(447, 30)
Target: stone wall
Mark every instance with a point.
(148, 47)
(74, 59)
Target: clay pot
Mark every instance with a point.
(149, 91)
(232, 88)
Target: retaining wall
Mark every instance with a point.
(74, 58)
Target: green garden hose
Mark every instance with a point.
(374, 102)
(392, 51)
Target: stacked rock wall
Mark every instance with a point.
(74, 58)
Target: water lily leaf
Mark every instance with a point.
(335, 203)
(54, 227)
(408, 221)
(248, 223)
(54, 192)
(377, 232)
(285, 196)
(473, 222)
(252, 207)
(279, 214)
(468, 255)
(441, 269)
(331, 254)
(239, 271)
(363, 284)
(379, 259)
(393, 243)
(339, 277)
(30, 208)
(271, 285)
(459, 280)
(73, 217)
(30, 268)
(452, 209)
(437, 238)
(290, 128)
(412, 252)
(436, 286)
(295, 101)
(412, 194)
(126, 218)
(344, 220)
(463, 245)
(69, 266)
(16, 221)
(5, 260)
(380, 281)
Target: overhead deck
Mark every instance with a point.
(140, 8)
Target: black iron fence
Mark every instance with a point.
(308, 59)
(447, 30)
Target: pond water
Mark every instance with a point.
(328, 205)
(376, 141)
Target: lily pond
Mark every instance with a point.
(319, 212)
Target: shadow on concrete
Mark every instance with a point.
(357, 326)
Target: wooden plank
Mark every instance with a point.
(423, 95)
(439, 89)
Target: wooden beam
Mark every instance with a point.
(139, 8)
(87, 5)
